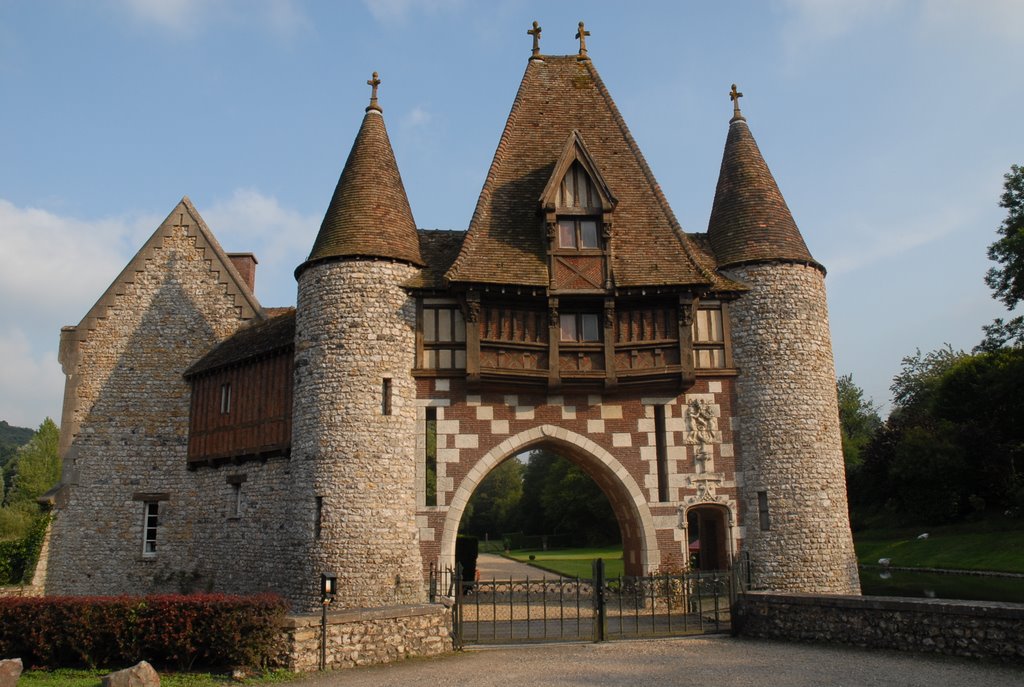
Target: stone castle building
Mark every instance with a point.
(210, 442)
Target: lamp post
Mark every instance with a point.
(328, 588)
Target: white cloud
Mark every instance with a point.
(281, 239)
(416, 117)
(31, 381)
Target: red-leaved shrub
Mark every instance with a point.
(213, 630)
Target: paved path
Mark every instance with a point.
(699, 661)
(492, 565)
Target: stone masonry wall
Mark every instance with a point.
(788, 432)
(130, 404)
(984, 630)
(367, 637)
(355, 327)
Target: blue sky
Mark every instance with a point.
(887, 124)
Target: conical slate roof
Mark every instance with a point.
(506, 243)
(750, 221)
(369, 215)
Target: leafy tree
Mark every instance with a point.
(495, 503)
(858, 420)
(559, 497)
(1007, 280)
(913, 388)
(36, 467)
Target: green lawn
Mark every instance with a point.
(574, 562)
(970, 546)
(93, 678)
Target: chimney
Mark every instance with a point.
(245, 263)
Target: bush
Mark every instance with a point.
(18, 558)
(169, 631)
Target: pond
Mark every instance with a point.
(881, 582)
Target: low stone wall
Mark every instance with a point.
(21, 590)
(367, 636)
(956, 628)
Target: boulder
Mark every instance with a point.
(10, 671)
(139, 675)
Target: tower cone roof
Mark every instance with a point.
(750, 221)
(369, 214)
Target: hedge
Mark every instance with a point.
(169, 631)
(18, 558)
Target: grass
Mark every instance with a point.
(968, 546)
(92, 678)
(574, 562)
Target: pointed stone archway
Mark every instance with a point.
(640, 547)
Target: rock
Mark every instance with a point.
(10, 671)
(139, 675)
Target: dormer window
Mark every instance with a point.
(577, 190)
(578, 234)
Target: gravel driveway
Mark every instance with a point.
(716, 661)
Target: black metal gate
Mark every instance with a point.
(500, 611)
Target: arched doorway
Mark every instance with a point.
(639, 542)
(707, 536)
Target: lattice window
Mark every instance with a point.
(709, 337)
(444, 336)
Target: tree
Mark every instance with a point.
(36, 467)
(559, 497)
(858, 420)
(495, 503)
(1007, 280)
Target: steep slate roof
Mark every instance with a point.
(439, 249)
(259, 338)
(750, 221)
(506, 242)
(369, 214)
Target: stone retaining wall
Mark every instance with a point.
(368, 636)
(937, 626)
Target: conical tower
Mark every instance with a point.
(797, 528)
(354, 414)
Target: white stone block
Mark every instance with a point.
(447, 455)
(447, 427)
(556, 400)
(648, 453)
(611, 412)
(715, 387)
(568, 412)
(472, 399)
(622, 439)
(484, 413)
(675, 424)
(467, 441)
(594, 399)
(442, 384)
(595, 426)
(725, 450)
(524, 412)
(512, 400)
(499, 426)
(645, 425)
(676, 452)
(426, 534)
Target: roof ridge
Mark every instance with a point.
(648, 173)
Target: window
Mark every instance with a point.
(444, 336)
(577, 189)
(225, 398)
(150, 521)
(709, 337)
(385, 396)
(580, 327)
(236, 482)
(578, 234)
(762, 510)
(661, 452)
(318, 523)
(430, 467)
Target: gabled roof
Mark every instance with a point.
(506, 244)
(184, 215)
(439, 249)
(369, 214)
(750, 221)
(575, 150)
(277, 333)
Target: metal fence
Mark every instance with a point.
(499, 611)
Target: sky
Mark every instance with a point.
(887, 124)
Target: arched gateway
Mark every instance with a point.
(690, 374)
(624, 494)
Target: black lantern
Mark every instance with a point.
(328, 585)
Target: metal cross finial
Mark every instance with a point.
(582, 35)
(374, 82)
(535, 32)
(735, 96)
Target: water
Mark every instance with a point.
(881, 582)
